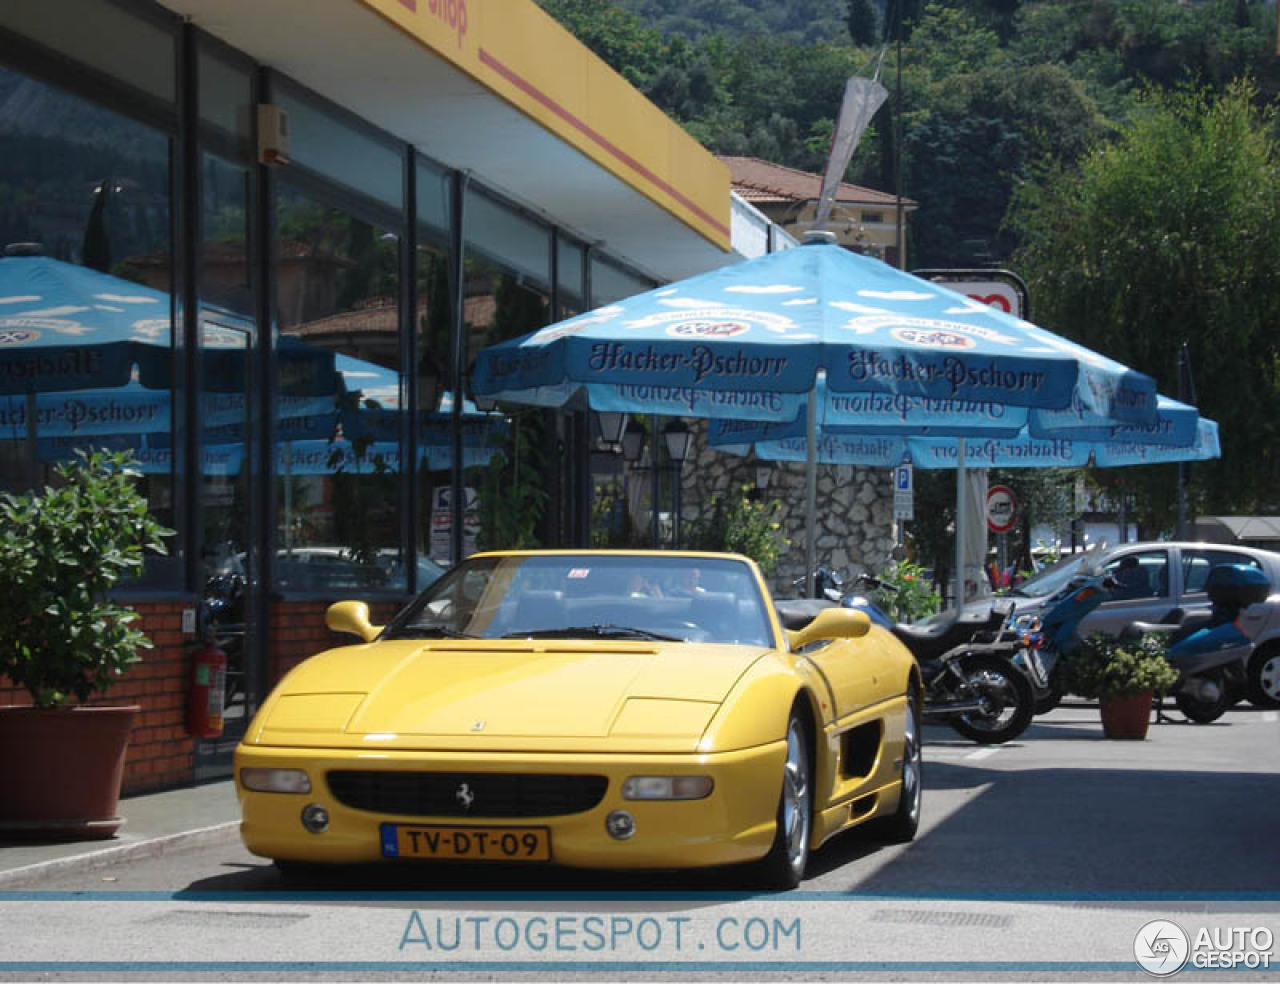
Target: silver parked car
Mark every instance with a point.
(1160, 582)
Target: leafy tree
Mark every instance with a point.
(863, 22)
(1168, 235)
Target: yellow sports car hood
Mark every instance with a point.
(486, 693)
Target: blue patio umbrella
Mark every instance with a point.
(751, 341)
(747, 341)
(68, 328)
(1020, 451)
(888, 437)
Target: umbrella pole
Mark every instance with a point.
(810, 491)
(961, 481)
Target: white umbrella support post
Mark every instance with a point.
(960, 526)
(811, 492)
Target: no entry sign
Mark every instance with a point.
(1002, 509)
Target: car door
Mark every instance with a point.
(860, 672)
(1145, 594)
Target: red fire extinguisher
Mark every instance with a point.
(208, 690)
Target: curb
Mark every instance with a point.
(149, 848)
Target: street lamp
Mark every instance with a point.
(612, 427)
(678, 439)
(633, 441)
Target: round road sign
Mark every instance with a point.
(1002, 509)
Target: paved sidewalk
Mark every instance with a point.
(154, 824)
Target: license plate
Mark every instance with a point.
(466, 843)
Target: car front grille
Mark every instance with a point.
(467, 794)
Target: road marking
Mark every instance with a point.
(1270, 716)
(982, 753)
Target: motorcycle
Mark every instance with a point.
(1210, 649)
(971, 686)
(1040, 641)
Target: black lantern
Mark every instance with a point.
(679, 439)
(612, 427)
(633, 441)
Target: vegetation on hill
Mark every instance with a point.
(1120, 155)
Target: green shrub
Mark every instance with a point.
(61, 552)
(1103, 668)
(915, 597)
(737, 523)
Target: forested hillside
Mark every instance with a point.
(991, 89)
(1121, 155)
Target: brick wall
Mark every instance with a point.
(161, 754)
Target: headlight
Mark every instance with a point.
(275, 780)
(667, 787)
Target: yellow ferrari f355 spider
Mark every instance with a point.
(588, 708)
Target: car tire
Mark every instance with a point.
(1264, 677)
(783, 867)
(901, 826)
(1001, 681)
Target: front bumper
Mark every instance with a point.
(734, 824)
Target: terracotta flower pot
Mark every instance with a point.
(60, 771)
(1127, 717)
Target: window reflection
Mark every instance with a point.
(507, 461)
(85, 279)
(339, 405)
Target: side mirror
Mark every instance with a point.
(831, 623)
(352, 617)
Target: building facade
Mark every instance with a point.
(259, 244)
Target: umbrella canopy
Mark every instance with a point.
(1021, 451)
(1063, 438)
(66, 328)
(747, 341)
(751, 341)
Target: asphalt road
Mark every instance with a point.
(1040, 859)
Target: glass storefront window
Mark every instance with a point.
(340, 400)
(86, 313)
(506, 237)
(116, 41)
(509, 454)
(611, 283)
(326, 143)
(571, 266)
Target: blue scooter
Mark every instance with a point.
(1209, 649)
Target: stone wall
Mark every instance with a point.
(854, 508)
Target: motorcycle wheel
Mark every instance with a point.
(1205, 711)
(1008, 693)
(1052, 697)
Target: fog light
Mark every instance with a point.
(621, 825)
(315, 818)
(667, 788)
(275, 780)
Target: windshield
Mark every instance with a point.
(589, 596)
(1051, 579)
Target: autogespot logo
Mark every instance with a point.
(1161, 948)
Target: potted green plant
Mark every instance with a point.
(1123, 676)
(64, 640)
